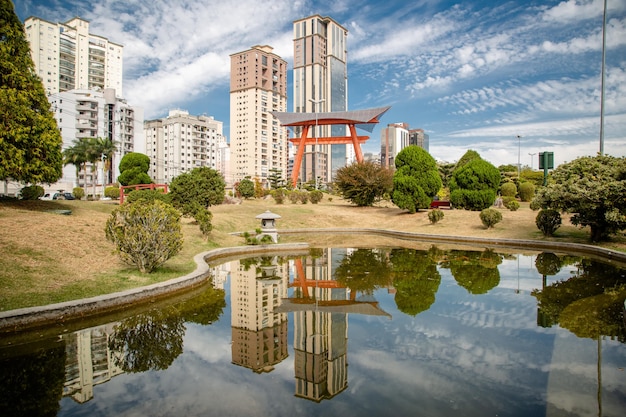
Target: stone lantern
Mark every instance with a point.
(268, 225)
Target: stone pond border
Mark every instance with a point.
(24, 319)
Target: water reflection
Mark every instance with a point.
(432, 330)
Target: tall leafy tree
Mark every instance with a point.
(107, 147)
(416, 180)
(30, 142)
(77, 155)
(593, 189)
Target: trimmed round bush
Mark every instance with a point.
(78, 192)
(112, 192)
(526, 191)
(512, 205)
(435, 215)
(315, 196)
(535, 204)
(490, 217)
(31, 192)
(548, 221)
(508, 189)
(279, 195)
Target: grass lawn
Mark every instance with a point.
(48, 257)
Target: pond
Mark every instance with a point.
(347, 331)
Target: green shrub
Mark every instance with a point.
(508, 189)
(535, 204)
(316, 196)
(548, 221)
(490, 217)
(203, 217)
(112, 192)
(31, 192)
(147, 195)
(146, 233)
(526, 191)
(435, 215)
(294, 196)
(78, 192)
(303, 196)
(507, 200)
(279, 195)
(512, 205)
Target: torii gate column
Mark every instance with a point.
(356, 144)
(297, 163)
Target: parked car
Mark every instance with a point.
(68, 196)
(50, 196)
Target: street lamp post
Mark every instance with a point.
(531, 159)
(519, 148)
(315, 161)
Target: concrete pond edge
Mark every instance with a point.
(32, 317)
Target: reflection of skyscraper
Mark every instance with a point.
(259, 333)
(320, 338)
(89, 362)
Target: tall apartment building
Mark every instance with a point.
(181, 142)
(320, 84)
(397, 136)
(68, 57)
(420, 138)
(258, 86)
(95, 114)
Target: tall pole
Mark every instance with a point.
(531, 159)
(519, 162)
(602, 86)
(315, 161)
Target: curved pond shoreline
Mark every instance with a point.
(29, 318)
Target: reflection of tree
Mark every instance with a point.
(415, 278)
(364, 270)
(477, 272)
(204, 309)
(149, 341)
(32, 385)
(548, 263)
(588, 304)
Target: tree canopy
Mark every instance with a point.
(30, 141)
(416, 179)
(474, 185)
(200, 187)
(134, 168)
(593, 189)
(363, 183)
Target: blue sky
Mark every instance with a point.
(473, 74)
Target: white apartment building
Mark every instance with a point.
(181, 142)
(320, 84)
(95, 114)
(258, 86)
(68, 57)
(393, 139)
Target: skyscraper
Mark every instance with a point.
(320, 84)
(258, 143)
(68, 57)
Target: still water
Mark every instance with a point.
(348, 332)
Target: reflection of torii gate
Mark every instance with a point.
(329, 306)
(364, 119)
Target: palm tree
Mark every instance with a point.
(107, 147)
(77, 156)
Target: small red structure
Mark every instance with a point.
(141, 187)
(361, 118)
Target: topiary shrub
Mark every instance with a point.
(435, 215)
(512, 205)
(490, 217)
(303, 196)
(535, 204)
(508, 189)
(145, 233)
(315, 196)
(78, 192)
(548, 221)
(294, 196)
(31, 192)
(112, 192)
(526, 191)
(147, 195)
(279, 195)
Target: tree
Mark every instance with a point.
(107, 147)
(77, 155)
(468, 157)
(30, 141)
(593, 189)
(146, 233)
(445, 172)
(363, 183)
(276, 179)
(245, 188)
(416, 180)
(203, 186)
(474, 185)
(134, 168)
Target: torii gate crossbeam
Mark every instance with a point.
(307, 120)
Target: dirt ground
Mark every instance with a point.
(52, 249)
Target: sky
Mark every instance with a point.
(508, 79)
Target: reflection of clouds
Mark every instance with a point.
(209, 343)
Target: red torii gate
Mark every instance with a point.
(362, 118)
